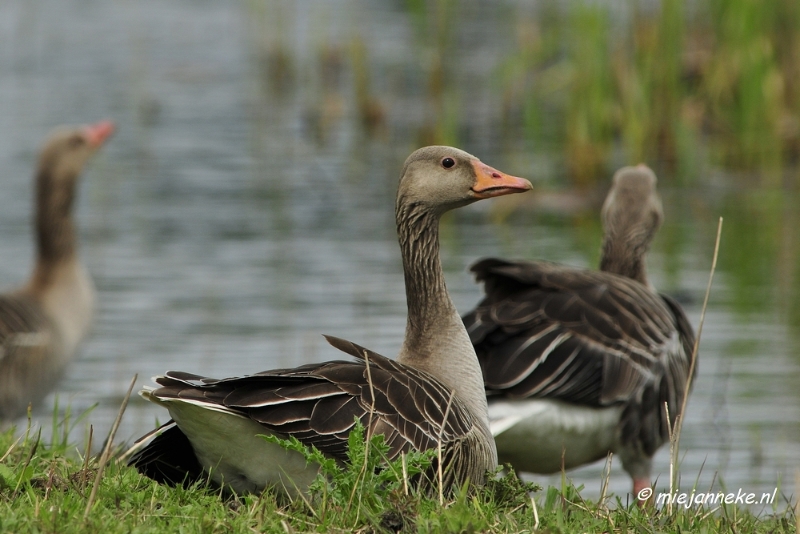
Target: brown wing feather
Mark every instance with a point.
(578, 335)
(28, 344)
(319, 403)
(583, 336)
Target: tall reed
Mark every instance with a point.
(658, 83)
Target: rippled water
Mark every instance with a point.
(231, 222)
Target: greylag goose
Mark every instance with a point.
(433, 390)
(578, 362)
(42, 323)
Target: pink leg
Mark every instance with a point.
(640, 484)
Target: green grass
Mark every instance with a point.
(46, 488)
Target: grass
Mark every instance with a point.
(47, 487)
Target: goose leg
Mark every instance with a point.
(638, 485)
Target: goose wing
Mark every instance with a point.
(165, 455)
(27, 369)
(317, 404)
(589, 337)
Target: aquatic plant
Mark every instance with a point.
(657, 83)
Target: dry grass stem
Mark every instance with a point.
(368, 434)
(439, 449)
(107, 449)
(88, 451)
(676, 432)
(371, 394)
(606, 478)
(535, 513)
(11, 448)
(672, 458)
(405, 472)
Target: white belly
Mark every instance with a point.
(532, 434)
(228, 447)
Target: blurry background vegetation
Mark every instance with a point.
(673, 83)
(683, 85)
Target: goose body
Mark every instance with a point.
(578, 363)
(431, 394)
(318, 404)
(551, 424)
(43, 322)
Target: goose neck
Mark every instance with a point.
(624, 260)
(55, 229)
(436, 340)
(426, 292)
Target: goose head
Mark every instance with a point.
(631, 214)
(441, 178)
(65, 153)
(67, 150)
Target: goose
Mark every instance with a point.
(578, 362)
(43, 322)
(431, 395)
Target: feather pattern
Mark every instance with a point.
(545, 330)
(319, 404)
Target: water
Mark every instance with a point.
(237, 215)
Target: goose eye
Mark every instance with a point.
(75, 141)
(448, 162)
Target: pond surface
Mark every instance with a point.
(242, 209)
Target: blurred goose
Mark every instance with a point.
(581, 361)
(42, 323)
(432, 392)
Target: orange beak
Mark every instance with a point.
(97, 134)
(492, 183)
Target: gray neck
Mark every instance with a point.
(55, 230)
(436, 340)
(60, 282)
(624, 260)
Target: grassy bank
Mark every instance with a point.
(47, 487)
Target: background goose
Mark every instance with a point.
(42, 323)
(433, 391)
(582, 361)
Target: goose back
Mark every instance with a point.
(586, 337)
